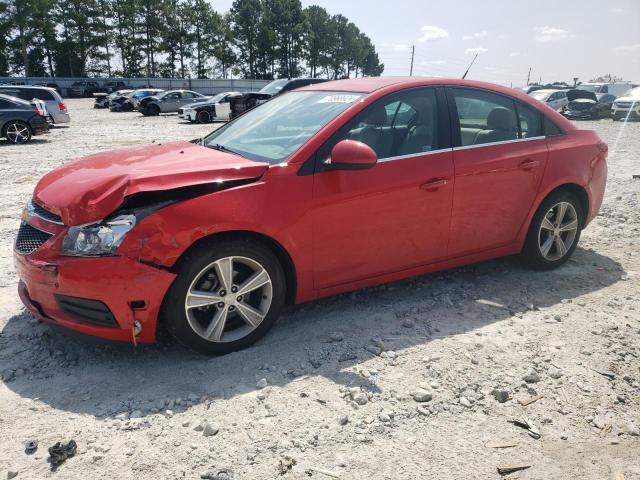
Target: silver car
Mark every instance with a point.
(56, 109)
(168, 102)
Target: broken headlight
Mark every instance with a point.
(97, 239)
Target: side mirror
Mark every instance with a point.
(351, 155)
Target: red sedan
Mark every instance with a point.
(326, 189)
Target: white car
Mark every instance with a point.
(627, 106)
(556, 99)
(217, 108)
(615, 88)
(56, 109)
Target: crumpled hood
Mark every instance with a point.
(89, 189)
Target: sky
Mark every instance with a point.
(558, 40)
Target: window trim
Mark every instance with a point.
(315, 164)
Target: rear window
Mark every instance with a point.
(39, 93)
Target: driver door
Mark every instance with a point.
(395, 215)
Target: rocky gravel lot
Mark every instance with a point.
(418, 379)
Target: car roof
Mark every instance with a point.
(372, 84)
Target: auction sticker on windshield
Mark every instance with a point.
(339, 99)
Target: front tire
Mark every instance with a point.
(227, 296)
(554, 231)
(17, 132)
(203, 117)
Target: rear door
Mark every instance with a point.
(499, 159)
(395, 215)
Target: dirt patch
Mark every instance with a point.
(417, 379)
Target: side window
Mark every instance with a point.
(172, 96)
(404, 123)
(484, 117)
(530, 121)
(551, 129)
(552, 97)
(604, 89)
(41, 94)
(188, 95)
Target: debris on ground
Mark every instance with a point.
(524, 422)
(30, 447)
(311, 470)
(60, 452)
(507, 469)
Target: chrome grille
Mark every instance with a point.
(29, 239)
(38, 211)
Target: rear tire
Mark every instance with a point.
(152, 110)
(215, 312)
(17, 132)
(554, 231)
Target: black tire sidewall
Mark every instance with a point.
(172, 314)
(531, 252)
(203, 117)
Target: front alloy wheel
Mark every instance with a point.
(17, 132)
(228, 299)
(226, 296)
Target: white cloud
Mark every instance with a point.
(627, 48)
(473, 36)
(431, 33)
(551, 34)
(401, 47)
(474, 50)
(515, 54)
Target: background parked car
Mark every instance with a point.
(127, 102)
(627, 106)
(114, 86)
(217, 108)
(615, 88)
(247, 101)
(85, 88)
(168, 102)
(56, 108)
(587, 105)
(19, 120)
(53, 85)
(556, 99)
(103, 99)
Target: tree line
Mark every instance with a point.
(262, 39)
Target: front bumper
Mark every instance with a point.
(130, 290)
(624, 113)
(578, 115)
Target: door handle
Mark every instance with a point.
(434, 184)
(529, 164)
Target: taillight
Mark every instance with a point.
(62, 107)
(37, 111)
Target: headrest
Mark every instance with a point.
(377, 115)
(500, 118)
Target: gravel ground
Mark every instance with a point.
(417, 379)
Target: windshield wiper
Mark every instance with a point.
(222, 148)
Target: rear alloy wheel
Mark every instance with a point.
(554, 232)
(226, 297)
(17, 132)
(203, 117)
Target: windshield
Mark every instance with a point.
(274, 87)
(634, 92)
(589, 88)
(217, 98)
(273, 131)
(540, 95)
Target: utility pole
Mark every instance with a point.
(529, 76)
(413, 53)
